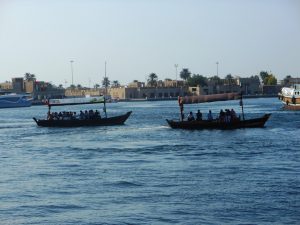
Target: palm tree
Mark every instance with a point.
(115, 83)
(96, 86)
(152, 79)
(185, 74)
(29, 77)
(105, 82)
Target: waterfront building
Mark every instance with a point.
(126, 93)
(6, 86)
(271, 89)
(79, 92)
(18, 84)
(250, 85)
(289, 81)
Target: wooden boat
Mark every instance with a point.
(73, 121)
(234, 123)
(290, 97)
(216, 124)
(109, 121)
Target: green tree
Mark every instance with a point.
(185, 74)
(271, 80)
(29, 77)
(96, 86)
(229, 79)
(197, 79)
(264, 75)
(268, 78)
(152, 80)
(215, 79)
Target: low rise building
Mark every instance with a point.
(6, 86)
(80, 92)
(271, 89)
(289, 81)
(146, 92)
(18, 84)
(250, 85)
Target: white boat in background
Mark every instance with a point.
(15, 100)
(76, 101)
(290, 97)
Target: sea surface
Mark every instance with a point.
(143, 172)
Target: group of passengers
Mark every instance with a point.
(198, 116)
(225, 116)
(83, 115)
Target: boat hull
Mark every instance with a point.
(290, 97)
(15, 105)
(14, 102)
(291, 107)
(204, 124)
(110, 121)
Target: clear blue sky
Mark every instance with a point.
(137, 37)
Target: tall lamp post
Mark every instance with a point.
(217, 68)
(71, 61)
(176, 66)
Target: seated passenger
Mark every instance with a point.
(198, 115)
(209, 116)
(91, 114)
(191, 117)
(227, 116)
(60, 116)
(81, 115)
(56, 116)
(86, 115)
(233, 115)
(97, 115)
(222, 116)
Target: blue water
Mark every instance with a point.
(146, 173)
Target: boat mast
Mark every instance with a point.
(242, 105)
(105, 93)
(180, 103)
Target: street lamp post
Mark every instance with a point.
(71, 61)
(176, 66)
(217, 68)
